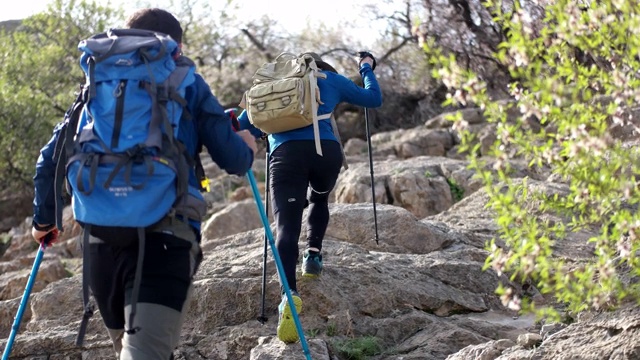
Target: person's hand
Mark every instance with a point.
(365, 57)
(249, 140)
(367, 60)
(44, 234)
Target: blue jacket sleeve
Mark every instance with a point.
(245, 124)
(370, 96)
(225, 147)
(44, 198)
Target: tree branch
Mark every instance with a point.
(257, 43)
(390, 52)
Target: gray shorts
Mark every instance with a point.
(172, 255)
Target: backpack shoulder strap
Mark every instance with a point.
(62, 151)
(314, 91)
(201, 176)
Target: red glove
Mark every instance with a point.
(50, 238)
(235, 124)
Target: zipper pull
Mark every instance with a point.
(119, 90)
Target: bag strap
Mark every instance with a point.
(63, 150)
(201, 176)
(284, 55)
(86, 304)
(336, 133)
(314, 90)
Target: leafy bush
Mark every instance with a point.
(576, 74)
(358, 348)
(39, 75)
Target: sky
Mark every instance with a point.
(334, 13)
(14, 12)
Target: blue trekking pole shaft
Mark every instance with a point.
(262, 318)
(276, 257)
(23, 303)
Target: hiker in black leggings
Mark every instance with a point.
(296, 168)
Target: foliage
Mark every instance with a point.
(578, 76)
(261, 176)
(5, 242)
(218, 48)
(457, 192)
(313, 332)
(404, 63)
(359, 348)
(332, 329)
(37, 82)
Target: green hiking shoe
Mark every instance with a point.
(311, 264)
(287, 331)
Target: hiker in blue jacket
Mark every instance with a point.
(172, 248)
(294, 166)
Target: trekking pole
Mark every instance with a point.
(262, 318)
(23, 303)
(373, 188)
(362, 55)
(276, 257)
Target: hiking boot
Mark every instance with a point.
(287, 331)
(311, 264)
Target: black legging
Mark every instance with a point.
(293, 167)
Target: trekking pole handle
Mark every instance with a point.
(366, 54)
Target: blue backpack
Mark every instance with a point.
(125, 168)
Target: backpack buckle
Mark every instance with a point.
(261, 106)
(88, 159)
(135, 152)
(162, 94)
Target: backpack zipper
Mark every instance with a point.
(117, 123)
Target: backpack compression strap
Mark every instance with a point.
(86, 304)
(313, 75)
(62, 151)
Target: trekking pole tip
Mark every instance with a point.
(262, 319)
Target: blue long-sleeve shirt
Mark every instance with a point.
(209, 126)
(334, 89)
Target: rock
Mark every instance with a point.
(270, 348)
(418, 184)
(235, 218)
(549, 329)
(399, 230)
(414, 142)
(486, 351)
(529, 340)
(355, 146)
(15, 274)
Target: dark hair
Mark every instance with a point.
(154, 19)
(321, 64)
